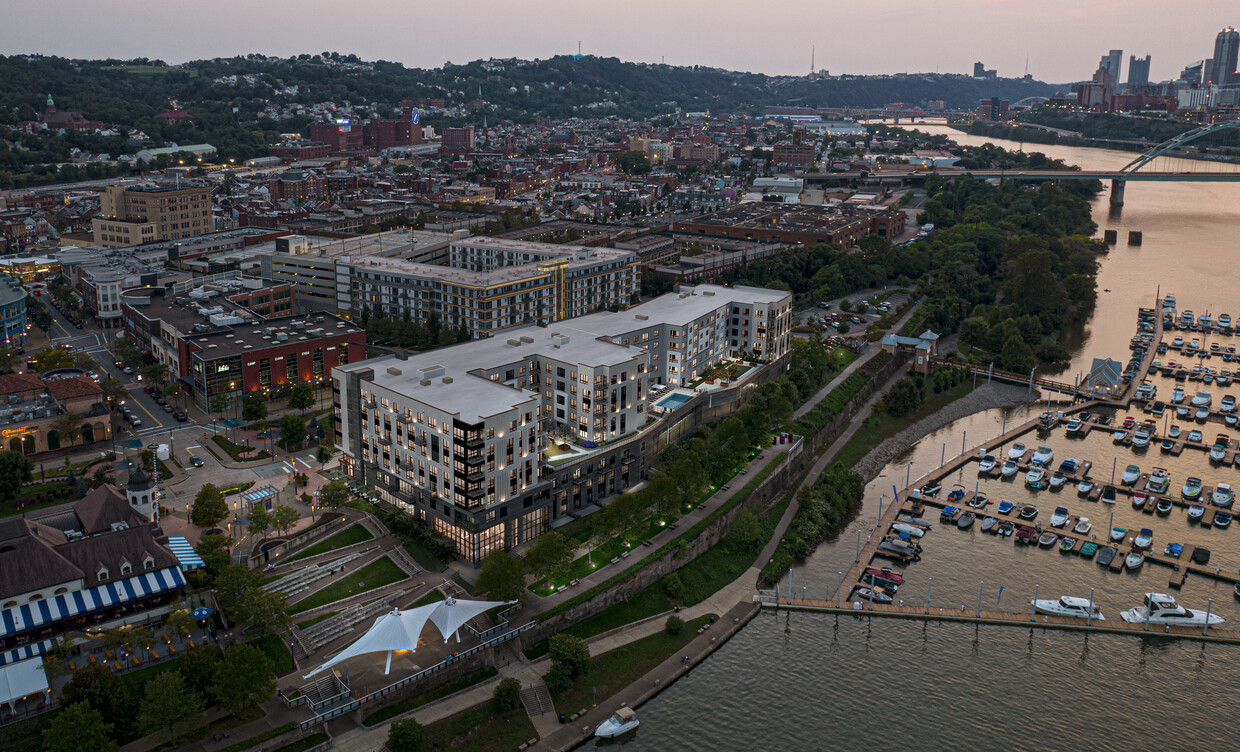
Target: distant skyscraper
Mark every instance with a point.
(1111, 63)
(1226, 45)
(1138, 71)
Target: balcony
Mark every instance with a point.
(474, 442)
(475, 459)
(384, 440)
(474, 475)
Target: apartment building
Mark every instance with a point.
(492, 284)
(457, 436)
(151, 212)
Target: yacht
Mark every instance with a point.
(1060, 517)
(1141, 437)
(1074, 425)
(1082, 526)
(987, 463)
(1069, 466)
(1144, 538)
(1223, 496)
(1130, 476)
(1177, 395)
(1035, 477)
(1196, 512)
(1067, 605)
(1146, 391)
(1202, 398)
(1009, 469)
(621, 722)
(912, 530)
(1162, 609)
(1084, 487)
(1158, 482)
(1044, 455)
(1228, 403)
(1191, 489)
(1017, 451)
(1218, 452)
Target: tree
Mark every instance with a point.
(68, 427)
(903, 397)
(324, 454)
(292, 431)
(747, 528)
(259, 521)
(1016, 355)
(285, 517)
(673, 586)
(169, 706)
(570, 652)
(674, 625)
(407, 735)
(78, 727)
(549, 555)
(301, 397)
(198, 665)
(209, 506)
(103, 691)
(173, 392)
(113, 389)
(214, 552)
(253, 407)
(15, 471)
(508, 694)
(244, 680)
(218, 404)
(155, 373)
(334, 495)
(500, 577)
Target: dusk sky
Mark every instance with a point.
(1062, 38)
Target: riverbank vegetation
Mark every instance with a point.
(821, 509)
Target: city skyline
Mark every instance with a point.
(1061, 40)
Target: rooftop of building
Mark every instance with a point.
(166, 187)
(772, 216)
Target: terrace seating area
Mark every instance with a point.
(302, 579)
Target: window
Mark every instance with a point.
(126, 568)
(102, 574)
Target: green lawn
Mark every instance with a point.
(832, 404)
(347, 537)
(881, 426)
(362, 505)
(27, 735)
(234, 450)
(443, 690)
(254, 741)
(136, 681)
(613, 671)
(374, 575)
(301, 745)
(276, 651)
(423, 556)
(480, 729)
(433, 596)
(311, 622)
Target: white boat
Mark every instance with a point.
(1223, 496)
(1130, 475)
(904, 527)
(1074, 425)
(1068, 605)
(1173, 432)
(1035, 476)
(1117, 534)
(1218, 452)
(1177, 395)
(1017, 451)
(1060, 517)
(1144, 539)
(1202, 398)
(1191, 489)
(1044, 455)
(1057, 480)
(1082, 526)
(1146, 391)
(1134, 560)
(876, 595)
(987, 463)
(621, 722)
(1224, 319)
(1138, 500)
(1196, 512)
(1195, 436)
(1084, 487)
(1158, 482)
(1228, 403)
(1009, 468)
(1141, 437)
(1119, 434)
(1202, 414)
(1161, 609)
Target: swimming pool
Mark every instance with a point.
(673, 401)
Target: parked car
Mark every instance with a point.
(167, 408)
(181, 416)
(128, 371)
(148, 389)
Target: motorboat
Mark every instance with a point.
(966, 520)
(1009, 468)
(1035, 477)
(1017, 451)
(1138, 500)
(1201, 555)
(1067, 605)
(1146, 390)
(1088, 549)
(1195, 436)
(1141, 437)
(1117, 534)
(1130, 475)
(1167, 445)
(1177, 395)
(1202, 414)
(1228, 403)
(1074, 425)
(989, 523)
(1047, 539)
(1173, 550)
(1218, 452)
(1178, 341)
(1134, 560)
(886, 573)
(1082, 526)
(1048, 420)
(956, 494)
(1108, 495)
(948, 514)
(1059, 517)
(1173, 432)
(979, 502)
(908, 519)
(1105, 555)
(1028, 512)
(894, 548)
(1006, 528)
(1084, 487)
(1161, 609)
(1144, 538)
(1222, 519)
(910, 530)
(621, 722)
(1191, 490)
(1196, 512)
(873, 594)
(1202, 398)
(1163, 507)
(1044, 455)
(1183, 413)
(1056, 481)
(1070, 466)
(1066, 544)
(1005, 506)
(931, 489)
(1118, 435)
(1158, 481)
(879, 583)
(987, 463)
(1129, 423)
(1223, 496)
(1231, 419)
(1026, 535)
(1224, 320)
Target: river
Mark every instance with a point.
(818, 682)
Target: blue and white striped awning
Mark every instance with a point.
(34, 615)
(25, 652)
(185, 553)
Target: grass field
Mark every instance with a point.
(276, 651)
(880, 426)
(311, 622)
(374, 575)
(443, 690)
(347, 537)
(480, 729)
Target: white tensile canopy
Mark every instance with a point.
(399, 630)
(22, 679)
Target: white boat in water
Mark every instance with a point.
(621, 722)
(903, 527)
(1161, 609)
(1202, 398)
(987, 463)
(1009, 468)
(1223, 496)
(1035, 476)
(1068, 605)
(1130, 476)
(1082, 526)
(1158, 482)
(1044, 455)
(1060, 517)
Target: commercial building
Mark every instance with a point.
(1111, 63)
(993, 109)
(458, 138)
(151, 212)
(1138, 71)
(457, 436)
(491, 284)
(801, 225)
(13, 321)
(1223, 64)
(34, 404)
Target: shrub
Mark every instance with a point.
(570, 652)
(674, 625)
(558, 680)
(674, 588)
(508, 694)
(405, 735)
